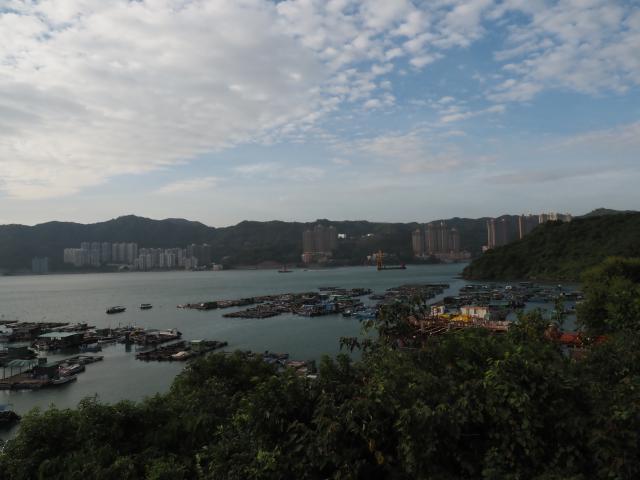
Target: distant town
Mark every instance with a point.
(97, 254)
(434, 242)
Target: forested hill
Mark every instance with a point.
(561, 251)
(247, 243)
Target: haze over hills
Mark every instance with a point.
(561, 251)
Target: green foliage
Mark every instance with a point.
(561, 251)
(612, 296)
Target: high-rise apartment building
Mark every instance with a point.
(319, 243)
(320, 239)
(105, 252)
(435, 239)
(554, 216)
(201, 252)
(497, 232)
(308, 241)
(418, 242)
(441, 239)
(526, 223)
(40, 266)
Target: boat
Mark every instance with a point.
(86, 359)
(7, 416)
(71, 370)
(393, 267)
(116, 309)
(63, 380)
(95, 347)
(284, 269)
(145, 306)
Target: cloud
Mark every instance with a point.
(129, 87)
(189, 185)
(588, 47)
(406, 153)
(280, 171)
(93, 89)
(342, 162)
(552, 175)
(623, 137)
(451, 110)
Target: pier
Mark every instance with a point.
(181, 351)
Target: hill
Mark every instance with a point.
(599, 212)
(561, 251)
(20, 243)
(247, 243)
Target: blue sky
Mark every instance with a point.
(302, 109)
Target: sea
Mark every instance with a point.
(84, 298)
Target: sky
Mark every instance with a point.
(387, 110)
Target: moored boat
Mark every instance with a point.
(71, 370)
(145, 306)
(116, 309)
(63, 380)
(94, 347)
(7, 416)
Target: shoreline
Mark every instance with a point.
(230, 269)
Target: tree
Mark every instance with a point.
(612, 296)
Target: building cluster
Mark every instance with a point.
(96, 254)
(190, 258)
(437, 240)
(503, 230)
(319, 243)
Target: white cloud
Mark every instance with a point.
(127, 87)
(451, 111)
(587, 47)
(189, 185)
(342, 162)
(623, 138)
(423, 60)
(280, 171)
(407, 153)
(92, 89)
(553, 175)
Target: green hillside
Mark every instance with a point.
(561, 251)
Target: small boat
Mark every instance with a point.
(116, 309)
(145, 306)
(95, 347)
(71, 370)
(7, 416)
(64, 380)
(87, 359)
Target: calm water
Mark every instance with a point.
(84, 298)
